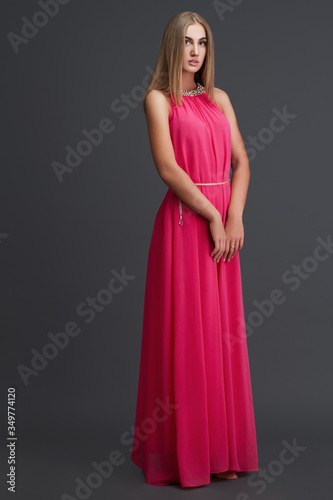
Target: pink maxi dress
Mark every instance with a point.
(194, 410)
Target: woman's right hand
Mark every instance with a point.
(219, 237)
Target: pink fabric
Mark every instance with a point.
(194, 412)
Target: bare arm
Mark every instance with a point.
(234, 227)
(239, 160)
(157, 114)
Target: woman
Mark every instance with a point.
(194, 412)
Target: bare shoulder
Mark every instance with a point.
(222, 98)
(158, 101)
(157, 115)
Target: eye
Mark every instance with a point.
(203, 42)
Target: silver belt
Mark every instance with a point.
(198, 184)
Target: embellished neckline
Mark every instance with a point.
(191, 93)
(197, 91)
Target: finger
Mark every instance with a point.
(226, 250)
(216, 250)
(236, 249)
(220, 253)
(216, 247)
(222, 249)
(231, 250)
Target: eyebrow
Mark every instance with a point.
(202, 38)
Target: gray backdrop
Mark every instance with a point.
(74, 214)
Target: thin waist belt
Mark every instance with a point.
(198, 184)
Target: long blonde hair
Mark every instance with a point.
(168, 68)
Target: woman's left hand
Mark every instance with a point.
(234, 229)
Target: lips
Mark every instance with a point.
(193, 61)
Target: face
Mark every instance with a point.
(195, 46)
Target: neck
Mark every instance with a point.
(188, 82)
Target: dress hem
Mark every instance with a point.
(170, 482)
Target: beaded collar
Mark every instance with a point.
(197, 91)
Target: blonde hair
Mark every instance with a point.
(168, 68)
